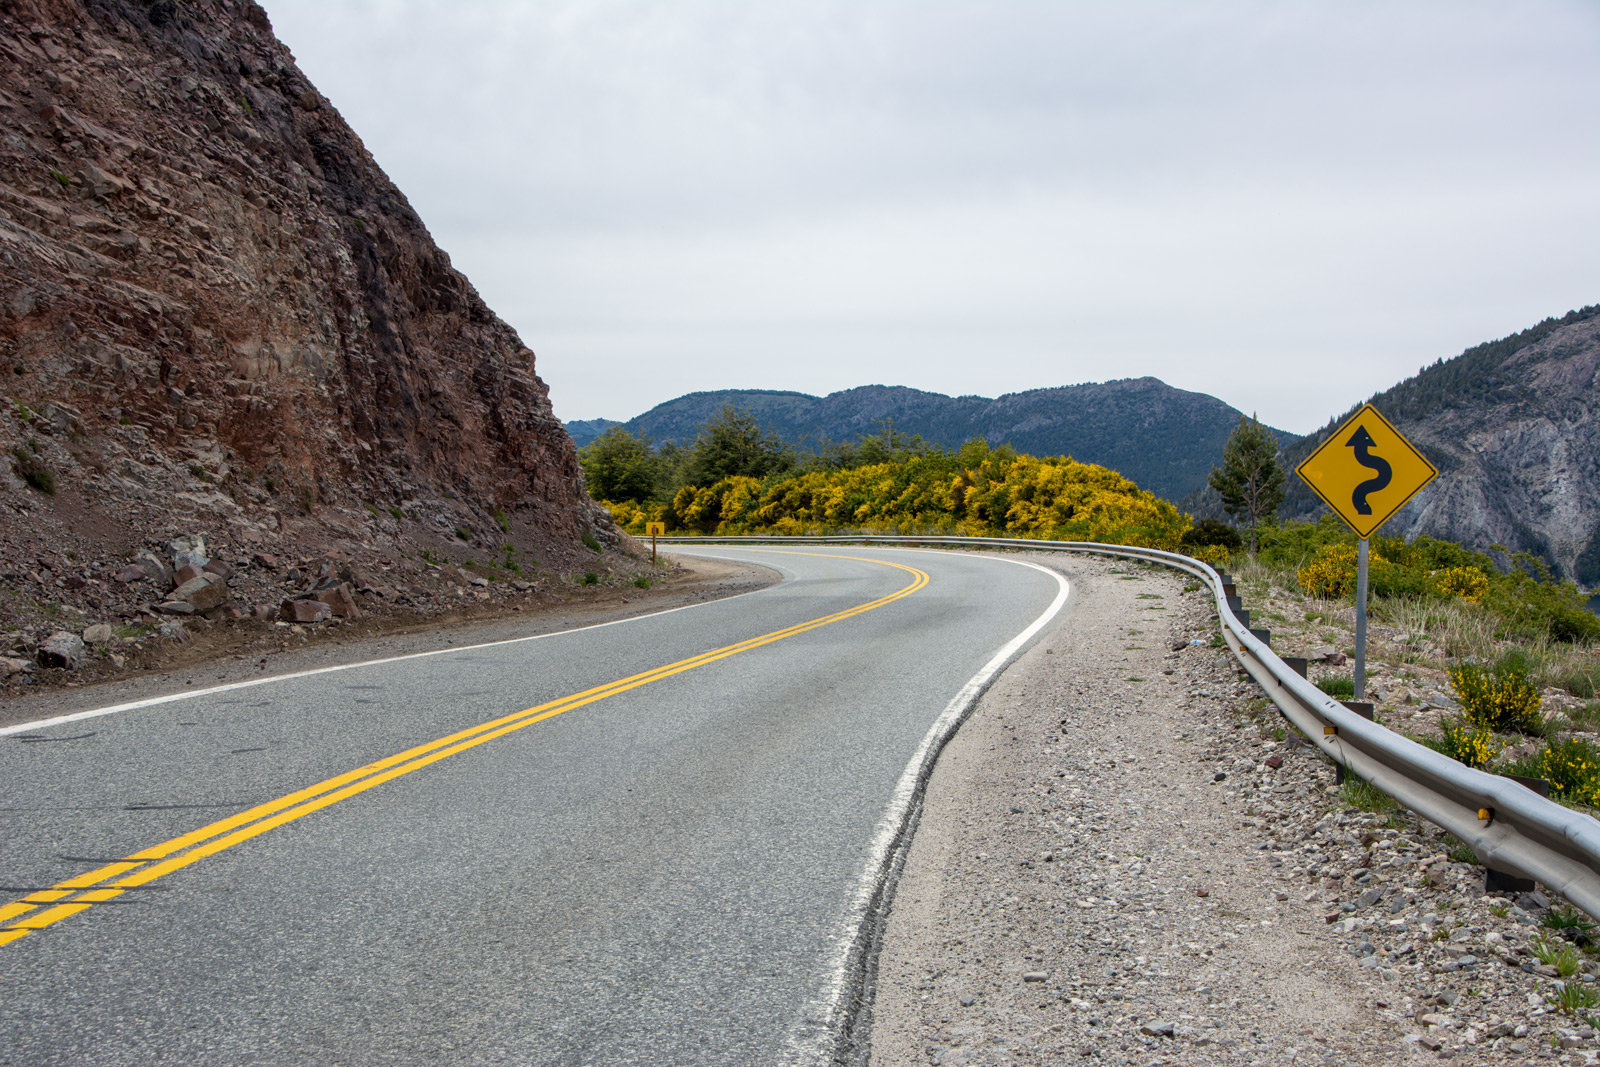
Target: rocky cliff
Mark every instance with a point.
(219, 317)
(1514, 428)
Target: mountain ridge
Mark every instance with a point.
(1178, 434)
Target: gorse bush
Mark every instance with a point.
(1468, 583)
(1498, 697)
(1571, 766)
(976, 490)
(1331, 573)
(1466, 742)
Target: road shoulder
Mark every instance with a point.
(1122, 859)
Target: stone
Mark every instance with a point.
(132, 573)
(98, 634)
(173, 630)
(1157, 1028)
(155, 569)
(219, 568)
(1036, 976)
(10, 665)
(62, 650)
(305, 611)
(341, 599)
(202, 592)
(175, 607)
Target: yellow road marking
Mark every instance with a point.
(21, 917)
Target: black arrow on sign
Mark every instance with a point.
(1363, 443)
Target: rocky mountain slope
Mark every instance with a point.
(226, 337)
(218, 317)
(1514, 428)
(1165, 439)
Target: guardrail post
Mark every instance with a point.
(1504, 883)
(1362, 708)
(1298, 664)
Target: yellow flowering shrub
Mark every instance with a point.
(1500, 698)
(1468, 583)
(1572, 767)
(1466, 742)
(1331, 572)
(1216, 555)
(998, 494)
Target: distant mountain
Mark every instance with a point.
(1165, 439)
(582, 431)
(1514, 428)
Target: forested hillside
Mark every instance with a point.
(1164, 439)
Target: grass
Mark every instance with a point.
(1575, 999)
(1338, 686)
(1569, 922)
(643, 583)
(1458, 850)
(1562, 956)
(590, 542)
(590, 578)
(1362, 794)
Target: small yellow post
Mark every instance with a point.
(654, 529)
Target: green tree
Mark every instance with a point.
(734, 443)
(1250, 480)
(619, 466)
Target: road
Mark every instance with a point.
(646, 842)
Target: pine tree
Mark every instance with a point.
(1250, 480)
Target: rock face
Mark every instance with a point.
(217, 313)
(1514, 428)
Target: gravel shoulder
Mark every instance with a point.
(1125, 857)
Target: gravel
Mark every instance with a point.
(1127, 857)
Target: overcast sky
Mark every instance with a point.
(1289, 205)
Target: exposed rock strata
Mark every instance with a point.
(217, 314)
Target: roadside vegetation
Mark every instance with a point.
(738, 479)
(1487, 657)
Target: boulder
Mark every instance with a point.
(98, 634)
(175, 607)
(10, 665)
(63, 650)
(203, 592)
(188, 551)
(341, 599)
(132, 573)
(305, 611)
(173, 630)
(154, 569)
(186, 573)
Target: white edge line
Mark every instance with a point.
(828, 1005)
(94, 713)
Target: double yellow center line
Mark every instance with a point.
(40, 909)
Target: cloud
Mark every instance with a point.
(1288, 205)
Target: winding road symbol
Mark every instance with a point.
(1363, 444)
(1365, 470)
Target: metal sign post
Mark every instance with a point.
(654, 530)
(1361, 620)
(1365, 471)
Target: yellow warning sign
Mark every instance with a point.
(655, 529)
(1366, 471)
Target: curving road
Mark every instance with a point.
(652, 841)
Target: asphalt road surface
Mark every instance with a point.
(652, 841)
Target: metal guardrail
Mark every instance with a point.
(1509, 826)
